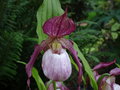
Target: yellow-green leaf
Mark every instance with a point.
(48, 9)
(86, 67)
(40, 84)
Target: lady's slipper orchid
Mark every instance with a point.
(55, 62)
(108, 82)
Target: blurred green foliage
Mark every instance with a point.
(97, 35)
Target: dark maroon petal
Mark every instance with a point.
(31, 62)
(115, 71)
(37, 50)
(59, 26)
(68, 45)
(103, 64)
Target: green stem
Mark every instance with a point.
(117, 65)
(47, 86)
(54, 85)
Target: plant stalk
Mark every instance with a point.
(54, 85)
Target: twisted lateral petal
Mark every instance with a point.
(68, 45)
(103, 64)
(115, 71)
(37, 50)
(31, 62)
(59, 26)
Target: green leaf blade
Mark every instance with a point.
(87, 68)
(38, 79)
(48, 9)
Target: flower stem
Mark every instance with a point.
(54, 85)
(49, 82)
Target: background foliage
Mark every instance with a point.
(97, 35)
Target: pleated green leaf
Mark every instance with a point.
(76, 67)
(87, 68)
(117, 65)
(48, 9)
(36, 76)
(40, 83)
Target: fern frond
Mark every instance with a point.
(10, 48)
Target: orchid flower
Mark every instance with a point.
(108, 82)
(56, 63)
